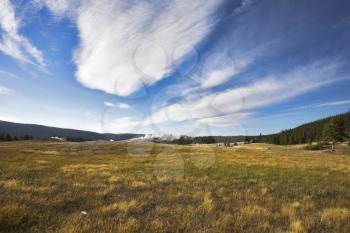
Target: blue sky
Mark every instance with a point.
(215, 67)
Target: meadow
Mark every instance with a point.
(123, 187)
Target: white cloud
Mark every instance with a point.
(327, 104)
(6, 91)
(118, 105)
(108, 104)
(219, 68)
(215, 77)
(11, 42)
(245, 4)
(226, 120)
(8, 74)
(122, 125)
(218, 77)
(60, 8)
(127, 44)
(264, 92)
(123, 106)
(334, 103)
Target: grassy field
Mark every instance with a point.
(120, 187)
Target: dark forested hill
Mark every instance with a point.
(338, 127)
(306, 133)
(45, 132)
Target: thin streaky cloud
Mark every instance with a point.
(264, 92)
(117, 105)
(326, 104)
(12, 43)
(4, 73)
(335, 103)
(6, 91)
(225, 120)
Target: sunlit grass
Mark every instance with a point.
(119, 187)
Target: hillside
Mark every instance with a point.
(305, 133)
(45, 132)
(309, 132)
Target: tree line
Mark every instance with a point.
(332, 129)
(9, 137)
(185, 140)
(76, 139)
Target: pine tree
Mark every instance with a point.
(334, 131)
(8, 137)
(28, 137)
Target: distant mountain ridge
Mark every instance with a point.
(309, 132)
(41, 132)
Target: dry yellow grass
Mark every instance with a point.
(120, 187)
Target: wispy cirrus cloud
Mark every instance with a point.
(261, 93)
(124, 45)
(245, 4)
(6, 91)
(8, 74)
(325, 104)
(12, 43)
(334, 103)
(60, 8)
(217, 77)
(225, 120)
(218, 69)
(117, 105)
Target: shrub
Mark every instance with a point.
(313, 147)
(318, 146)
